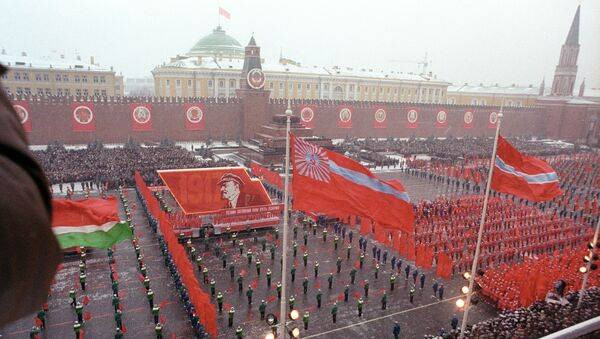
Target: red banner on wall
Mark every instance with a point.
(345, 116)
(380, 118)
(82, 116)
(441, 119)
(23, 113)
(201, 190)
(141, 117)
(493, 119)
(412, 118)
(194, 116)
(307, 116)
(468, 119)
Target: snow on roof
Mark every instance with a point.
(338, 71)
(591, 92)
(495, 89)
(52, 61)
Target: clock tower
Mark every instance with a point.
(252, 93)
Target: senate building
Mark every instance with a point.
(213, 66)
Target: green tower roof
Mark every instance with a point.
(217, 43)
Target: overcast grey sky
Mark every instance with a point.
(489, 41)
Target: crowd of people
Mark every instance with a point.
(513, 233)
(97, 165)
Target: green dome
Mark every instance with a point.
(217, 43)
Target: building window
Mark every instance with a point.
(38, 77)
(168, 83)
(387, 90)
(65, 77)
(231, 83)
(308, 87)
(210, 83)
(84, 78)
(221, 83)
(299, 85)
(326, 87)
(40, 91)
(58, 77)
(95, 79)
(103, 79)
(17, 76)
(271, 85)
(178, 83)
(26, 76)
(77, 78)
(291, 86)
(85, 92)
(317, 87)
(281, 85)
(189, 83)
(351, 88)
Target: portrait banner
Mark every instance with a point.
(141, 116)
(202, 190)
(468, 119)
(412, 118)
(345, 116)
(441, 119)
(23, 114)
(493, 119)
(194, 116)
(82, 116)
(380, 118)
(307, 116)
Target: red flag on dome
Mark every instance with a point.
(524, 176)
(224, 13)
(328, 182)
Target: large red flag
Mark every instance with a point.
(524, 176)
(83, 116)
(23, 113)
(194, 116)
(329, 182)
(141, 117)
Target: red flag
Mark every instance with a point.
(266, 174)
(444, 266)
(524, 176)
(141, 117)
(194, 116)
(23, 113)
(468, 119)
(380, 118)
(412, 118)
(83, 116)
(345, 117)
(441, 119)
(307, 116)
(86, 300)
(329, 182)
(224, 13)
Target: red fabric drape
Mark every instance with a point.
(444, 266)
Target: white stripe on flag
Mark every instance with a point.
(84, 229)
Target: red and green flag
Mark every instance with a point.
(90, 223)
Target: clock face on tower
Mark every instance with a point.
(256, 78)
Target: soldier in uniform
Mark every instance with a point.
(82, 278)
(305, 258)
(258, 263)
(239, 333)
(361, 260)
(359, 306)
(330, 280)
(79, 312)
(291, 302)
(240, 281)
(150, 297)
(158, 330)
(262, 309)
(334, 310)
(366, 288)
(384, 301)
(376, 271)
(230, 317)
(348, 249)
(115, 301)
(422, 280)
(249, 294)
(411, 293)
(278, 287)
(338, 264)
(392, 282)
(73, 297)
(155, 312)
(293, 272)
(319, 295)
(231, 270)
(441, 291)
(316, 269)
(305, 285)
(269, 278)
(305, 318)
(118, 318)
(77, 329)
(352, 275)
(220, 302)
(42, 316)
(396, 330)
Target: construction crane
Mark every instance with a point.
(424, 63)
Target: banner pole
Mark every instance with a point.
(284, 247)
(481, 225)
(589, 264)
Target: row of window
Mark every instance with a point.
(59, 91)
(483, 102)
(45, 77)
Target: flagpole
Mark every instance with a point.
(284, 247)
(589, 264)
(481, 224)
